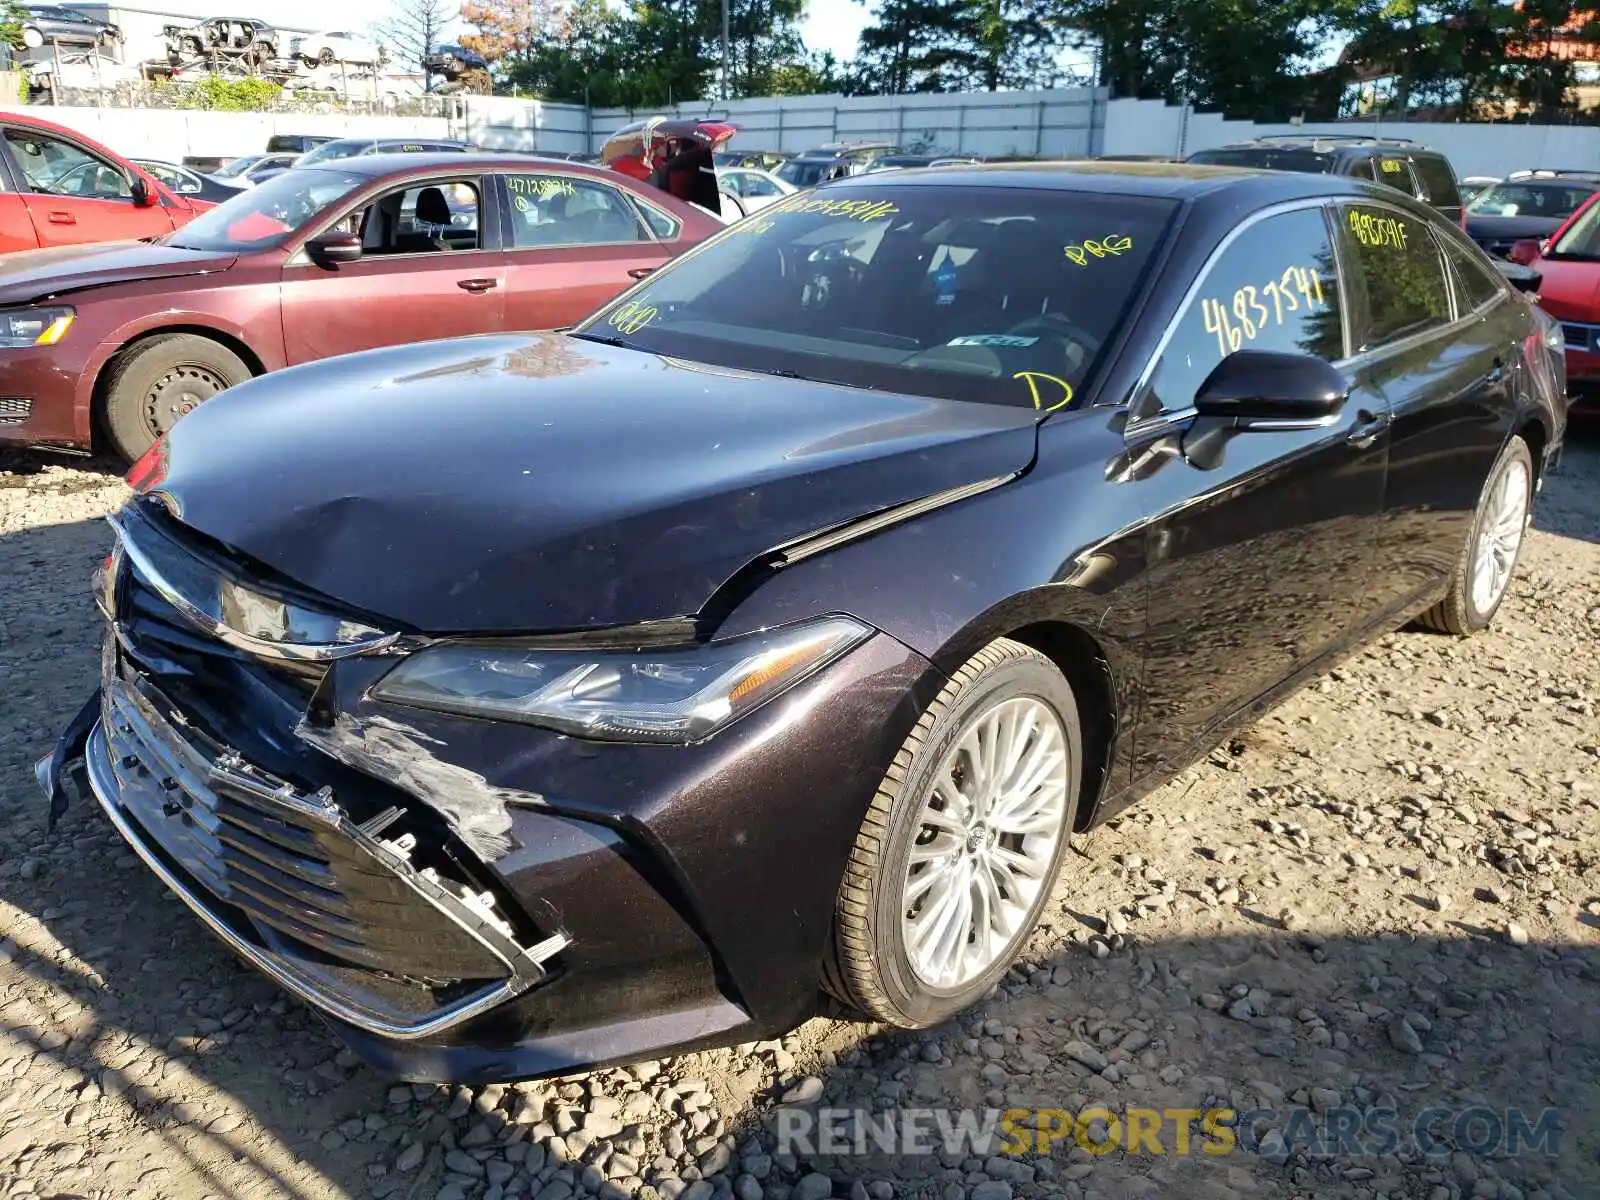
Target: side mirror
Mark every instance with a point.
(331, 249)
(144, 195)
(1525, 251)
(1263, 389)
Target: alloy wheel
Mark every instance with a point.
(1500, 536)
(988, 834)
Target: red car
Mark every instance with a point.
(59, 188)
(121, 340)
(1569, 263)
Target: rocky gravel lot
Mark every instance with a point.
(1383, 896)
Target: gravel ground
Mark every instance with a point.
(1384, 895)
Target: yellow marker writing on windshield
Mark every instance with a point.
(1031, 378)
(632, 317)
(1110, 246)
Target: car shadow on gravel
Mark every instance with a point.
(1569, 502)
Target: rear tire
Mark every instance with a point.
(962, 843)
(1488, 561)
(158, 381)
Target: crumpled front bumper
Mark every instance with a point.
(327, 908)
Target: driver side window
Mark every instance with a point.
(431, 218)
(1274, 288)
(57, 168)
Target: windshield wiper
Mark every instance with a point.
(604, 339)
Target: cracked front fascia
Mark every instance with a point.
(479, 812)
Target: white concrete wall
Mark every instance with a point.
(174, 134)
(1151, 127)
(1051, 123)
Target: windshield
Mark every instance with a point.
(1551, 200)
(1582, 237)
(1002, 295)
(267, 213)
(804, 172)
(237, 167)
(329, 151)
(1267, 158)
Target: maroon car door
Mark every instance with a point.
(430, 268)
(73, 195)
(572, 243)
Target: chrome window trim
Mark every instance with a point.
(474, 179)
(1175, 416)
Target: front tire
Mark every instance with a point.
(158, 381)
(1488, 561)
(962, 843)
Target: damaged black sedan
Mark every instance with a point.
(536, 701)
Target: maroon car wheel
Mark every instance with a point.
(155, 383)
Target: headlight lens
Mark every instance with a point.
(677, 695)
(21, 327)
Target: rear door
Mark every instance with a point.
(1443, 366)
(431, 267)
(573, 242)
(75, 195)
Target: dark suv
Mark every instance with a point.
(833, 161)
(1398, 162)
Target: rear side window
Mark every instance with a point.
(1477, 281)
(560, 210)
(1399, 270)
(1395, 172)
(1438, 180)
(1274, 288)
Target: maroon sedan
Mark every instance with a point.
(122, 339)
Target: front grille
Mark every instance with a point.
(328, 907)
(14, 410)
(336, 883)
(281, 864)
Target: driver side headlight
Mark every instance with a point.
(22, 327)
(677, 695)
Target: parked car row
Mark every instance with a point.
(879, 544)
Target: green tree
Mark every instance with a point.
(11, 18)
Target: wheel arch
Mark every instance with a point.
(1090, 667)
(102, 379)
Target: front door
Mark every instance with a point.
(1259, 557)
(431, 267)
(73, 195)
(572, 244)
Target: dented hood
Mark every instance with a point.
(38, 274)
(539, 482)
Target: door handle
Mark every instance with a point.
(1368, 428)
(62, 218)
(477, 286)
(640, 272)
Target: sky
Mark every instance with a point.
(829, 25)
